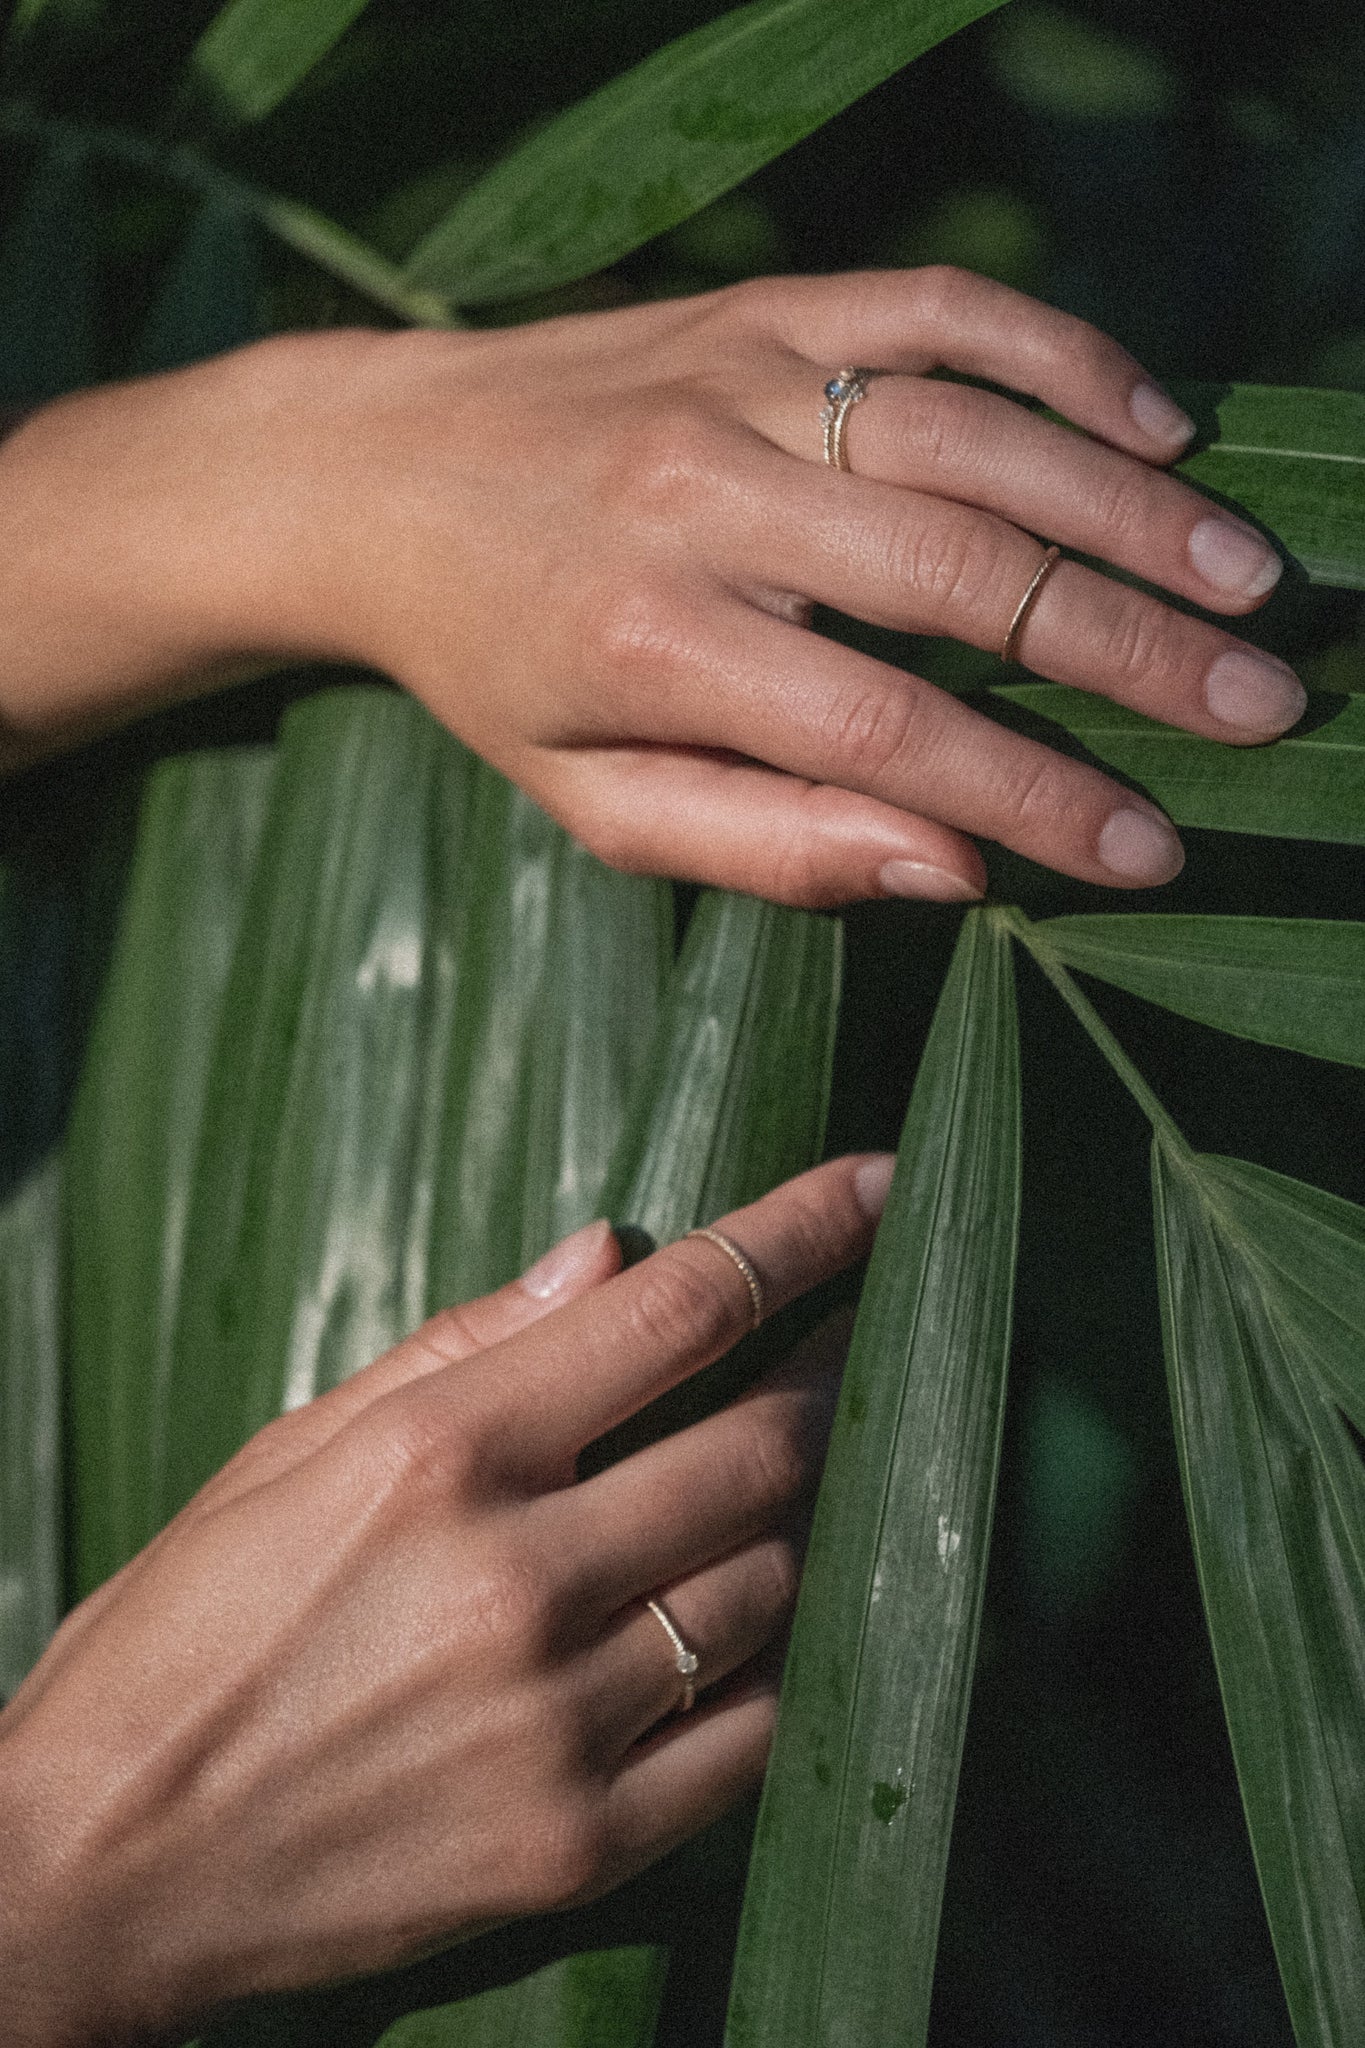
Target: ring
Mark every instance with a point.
(1027, 602)
(684, 1659)
(747, 1273)
(842, 393)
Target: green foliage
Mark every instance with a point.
(841, 1914)
(254, 52)
(366, 1032)
(656, 145)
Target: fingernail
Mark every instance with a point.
(566, 1261)
(934, 885)
(1159, 415)
(1233, 558)
(1141, 846)
(872, 1184)
(1254, 691)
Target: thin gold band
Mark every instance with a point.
(746, 1271)
(685, 1660)
(1027, 602)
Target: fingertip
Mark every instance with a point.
(579, 1261)
(1159, 418)
(872, 1184)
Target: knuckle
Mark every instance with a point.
(872, 734)
(1121, 500)
(940, 424)
(1038, 796)
(677, 1302)
(779, 1577)
(955, 569)
(415, 1446)
(567, 1855)
(667, 458)
(940, 288)
(1138, 643)
(635, 632)
(781, 1460)
(517, 1607)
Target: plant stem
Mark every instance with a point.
(311, 234)
(1030, 935)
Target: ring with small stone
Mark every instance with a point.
(684, 1660)
(842, 393)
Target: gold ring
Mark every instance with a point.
(685, 1660)
(747, 1273)
(1027, 602)
(842, 393)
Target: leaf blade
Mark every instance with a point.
(1276, 1499)
(254, 52)
(841, 1915)
(1293, 982)
(1294, 460)
(660, 142)
(1310, 786)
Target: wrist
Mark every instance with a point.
(155, 541)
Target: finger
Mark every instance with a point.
(724, 1613)
(573, 1267)
(691, 1772)
(731, 824)
(941, 317)
(536, 1401)
(929, 565)
(705, 1491)
(984, 450)
(804, 704)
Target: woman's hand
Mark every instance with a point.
(591, 547)
(388, 1679)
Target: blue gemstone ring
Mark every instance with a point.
(841, 395)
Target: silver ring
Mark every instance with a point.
(746, 1271)
(842, 393)
(685, 1660)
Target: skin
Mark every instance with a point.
(387, 1679)
(591, 546)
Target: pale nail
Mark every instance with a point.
(1234, 559)
(934, 885)
(566, 1261)
(1254, 691)
(872, 1184)
(1141, 846)
(1159, 415)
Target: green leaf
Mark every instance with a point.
(1309, 1248)
(39, 945)
(737, 1088)
(427, 970)
(1275, 1491)
(1311, 786)
(607, 1998)
(732, 1100)
(254, 52)
(208, 303)
(48, 282)
(664, 139)
(1294, 461)
(1296, 982)
(841, 1916)
(133, 1139)
(30, 1417)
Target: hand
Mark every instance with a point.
(388, 1679)
(591, 547)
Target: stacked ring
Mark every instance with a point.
(842, 393)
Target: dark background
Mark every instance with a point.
(1192, 178)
